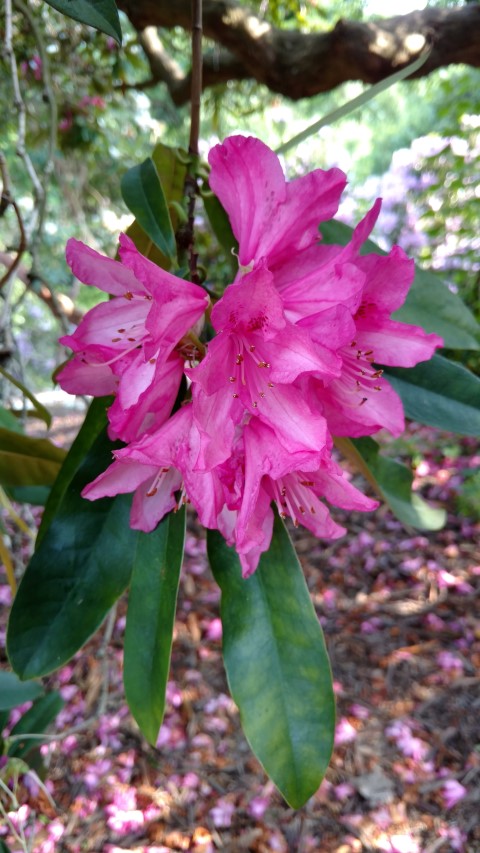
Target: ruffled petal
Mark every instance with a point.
(395, 344)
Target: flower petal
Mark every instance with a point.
(92, 268)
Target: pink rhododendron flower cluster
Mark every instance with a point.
(299, 337)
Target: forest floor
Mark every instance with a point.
(400, 614)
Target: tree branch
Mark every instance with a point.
(300, 65)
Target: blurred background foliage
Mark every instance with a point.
(417, 145)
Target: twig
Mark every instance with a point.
(19, 105)
(6, 201)
(191, 187)
(53, 123)
(196, 76)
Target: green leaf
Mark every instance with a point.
(39, 408)
(277, 665)
(15, 692)
(150, 619)
(393, 482)
(221, 227)
(432, 305)
(94, 423)
(9, 421)
(440, 393)
(429, 304)
(81, 567)
(35, 721)
(143, 194)
(26, 461)
(100, 14)
(172, 171)
(36, 495)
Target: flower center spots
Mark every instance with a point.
(250, 370)
(293, 497)
(359, 374)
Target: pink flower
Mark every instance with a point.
(453, 792)
(299, 337)
(331, 292)
(271, 218)
(250, 369)
(131, 344)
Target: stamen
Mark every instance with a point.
(232, 378)
(128, 295)
(112, 360)
(263, 364)
(252, 348)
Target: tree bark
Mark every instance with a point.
(300, 65)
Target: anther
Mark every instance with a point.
(255, 404)
(232, 378)
(270, 385)
(239, 358)
(152, 360)
(252, 348)
(262, 394)
(263, 364)
(235, 396)
(363, 400)
(152, 493)
(128, 295)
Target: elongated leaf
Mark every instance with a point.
(143, 194)
(100, 14)
(81, 567)
(440, 393)
(360, 101)
(15, 692)
(393, 482)
(172, 171)
(26, 461)
(221, 228)
(39, 408)
(171, 167)
(94, 423)
(277, 665)
(429, 304)
(151, 615)
(35, 721)
(9, 421)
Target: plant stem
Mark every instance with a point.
(196, 92)
(191, 187)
